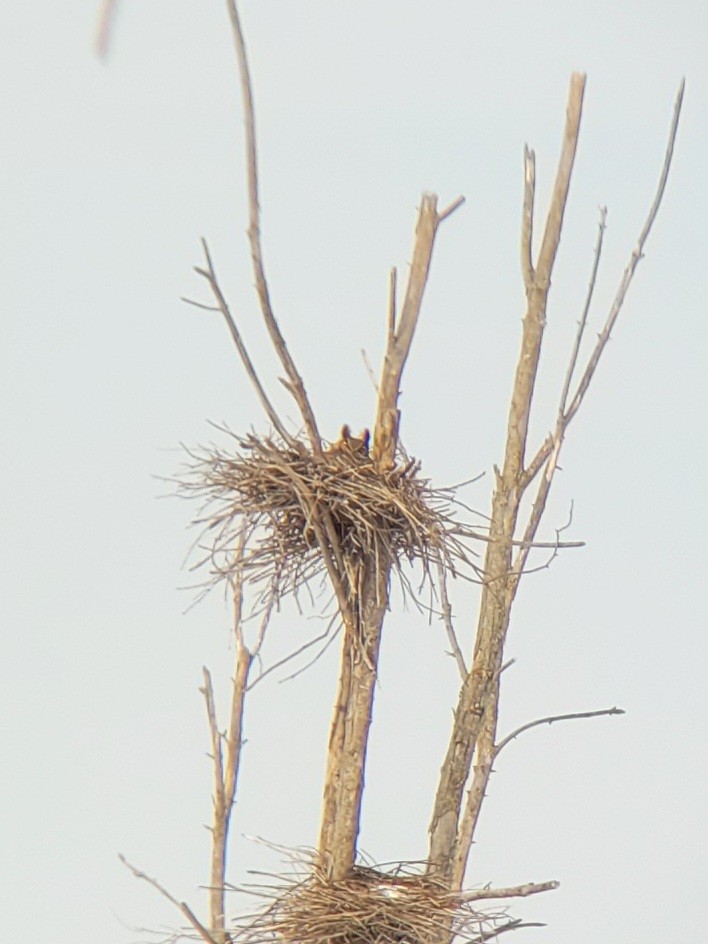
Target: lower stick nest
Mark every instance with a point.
(369, 907)
(281, 496)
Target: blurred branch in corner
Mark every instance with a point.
(105, 27)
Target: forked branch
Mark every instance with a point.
(635, 258)
(402, 330)
(353, 707)
(539, 505)
(223, 308)
(637, 255)
(474, 725)
(474, 729)
(226, 747)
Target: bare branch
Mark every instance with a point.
(399, 342)
(527, 269)
(597, 253)
(476, 712)
(392, 310)
(523, 543)
(449, 210)
(210, 275)
(554, 221)
(234, 734)
(550, 450)
(295, 383)
(369, 370)
(637, 255)
(539, 506)
(487, 753)
(627, 277)
(294, 654)
(262, 626)
(516, 891)
(537, 288)
(183, 907)
(476, 715)
(551, 720)
(236, 583)
(477, 789)
(313, 660)
(446, 609)
(363, 618)
(544, 488)
(208, 692)
(201, 305)
(226, 748)
(536, 463)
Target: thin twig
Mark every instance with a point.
(295, 383)
(313, 660)
(295, 653)
(210, 275)
(535, 545)
(627, 277)
(597, 253)
(446, 613)
(399, 342)
(450, 209)
(535, 465)
(551, 720)
(637, 255)
(183, 906)
(369, 370)
(516, 891)
(200, 305)
(216, 753)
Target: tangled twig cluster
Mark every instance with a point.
(281, 494)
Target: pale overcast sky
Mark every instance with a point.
(111, 172)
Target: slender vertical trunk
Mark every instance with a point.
(351, 722)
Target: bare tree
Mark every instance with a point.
(287, 508)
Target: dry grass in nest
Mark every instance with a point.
(369, 907)
(277, 492)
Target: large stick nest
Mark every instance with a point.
(369, 907)
(290, 504)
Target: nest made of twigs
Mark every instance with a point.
(368, 907)
(287, 502)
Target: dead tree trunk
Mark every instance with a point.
(292, 508)
(353, 708)
(476, 710)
